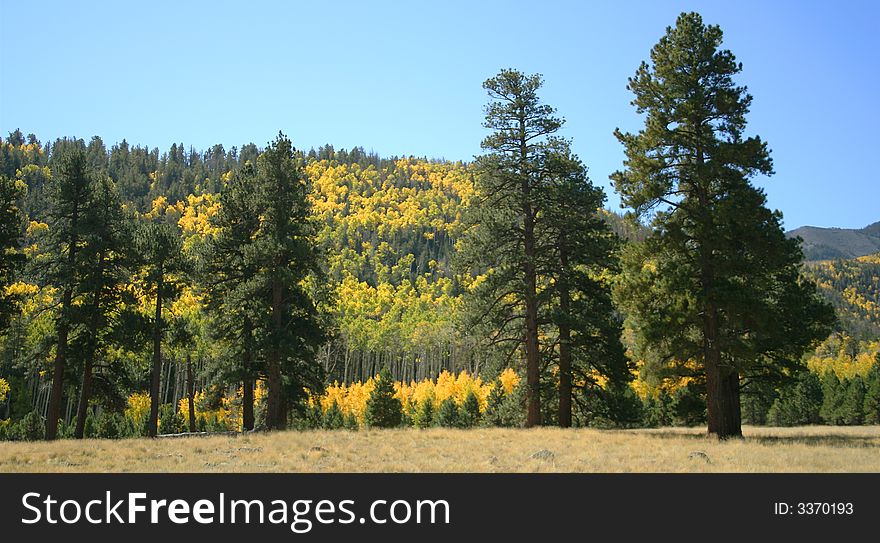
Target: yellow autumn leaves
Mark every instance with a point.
(193, 215)
(844, 357)
(352, 399)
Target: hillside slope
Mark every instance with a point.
(831, 243)
(853, 288)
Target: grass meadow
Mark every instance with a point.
(683, 450)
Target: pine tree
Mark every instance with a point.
(104, 261)
(579, 252)
(833, 395)
(799, 403)
(383, 410)
(494, 405)
(717, 282)
(333, 418)
(160, 249)
(505, 237)
(872, 393)
(424, 416)
(448, 415)
(286, 253)
(11, 257)
(69, 197)
(232, 292)
(853, 404)
(470, 410)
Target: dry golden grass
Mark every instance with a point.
(805, 449)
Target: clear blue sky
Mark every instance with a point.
(404, 78)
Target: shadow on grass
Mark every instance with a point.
(831, 440)
(819, 441)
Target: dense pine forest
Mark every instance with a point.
(146, 292)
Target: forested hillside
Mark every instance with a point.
(853, 287)
(830, 243)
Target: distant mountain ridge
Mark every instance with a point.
(833, 243)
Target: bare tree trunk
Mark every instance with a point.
(533, 400)
(247, 405)
(54, 410)
(722, 386)
(85, 391)
(190, 393)
(155, 381)
(565, 375)
(274, 406)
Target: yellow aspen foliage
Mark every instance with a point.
(509, 379)
(4, 389)
(22, 289)
(195, 214)
(35, 228)
(845, 357)
(137, 407)
(352, 398)
(645, 387)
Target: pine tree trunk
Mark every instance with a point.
(85, 391)
(155, 382)
(565, 377)
(82, 410)
(247, 396)
(722, 387)
(723, 407)
(565, 388)
(53, 412)
(273, 398)
(533, 400)
(190, 393)
(247, 405)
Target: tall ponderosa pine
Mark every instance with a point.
(542, 245)
(233, 285)
(717, 282)
(286, 254)
(103, 260)
(579, 251)
(160, 250)
(506, 235)
(69, 197)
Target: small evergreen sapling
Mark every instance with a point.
(470, 411)
(383, 409)
(333, 418)
(448, 415)
(424, 416)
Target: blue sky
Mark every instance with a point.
(404, 78)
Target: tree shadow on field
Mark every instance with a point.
(819, 441)
(830, 440)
